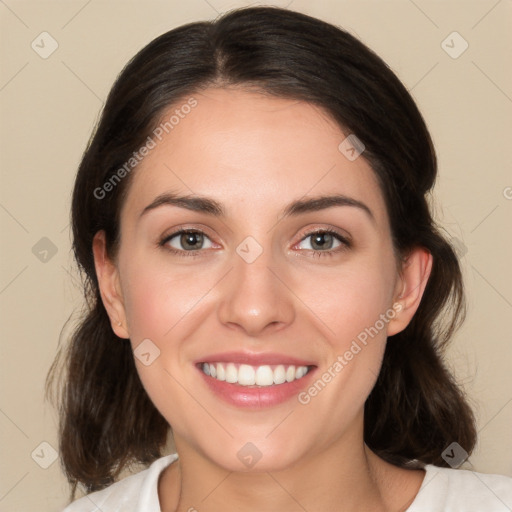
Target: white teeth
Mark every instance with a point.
(264, 376)
(279, 375)
(221, 373)
(247, 375)
(231, 373)
(290, 374)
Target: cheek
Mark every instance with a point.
(349, 301)
(353, 307)
(356, 304)
(156, 300)
(160, 306)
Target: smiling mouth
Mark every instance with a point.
(256, 376)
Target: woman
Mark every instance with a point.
(264, 277)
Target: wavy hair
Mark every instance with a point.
(416, 409)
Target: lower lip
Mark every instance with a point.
(256, 397)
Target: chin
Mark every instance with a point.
(254, 456)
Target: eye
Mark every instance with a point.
(189, 242)
(325, 241)
(186, 240)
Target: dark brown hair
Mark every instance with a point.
(416, 409)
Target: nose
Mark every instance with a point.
(255, 297)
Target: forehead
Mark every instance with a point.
(244, 147)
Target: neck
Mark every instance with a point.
(347, 477)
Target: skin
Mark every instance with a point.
(255, 154)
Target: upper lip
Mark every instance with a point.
(254, 359)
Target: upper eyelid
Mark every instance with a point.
(346, 239)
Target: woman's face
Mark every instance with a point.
(254, 291)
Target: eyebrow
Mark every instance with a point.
(212, 207)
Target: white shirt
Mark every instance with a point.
(442, 490)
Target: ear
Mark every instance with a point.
(109, 284)
(409, 289)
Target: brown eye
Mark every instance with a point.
(187, 240)
(325, 241)
(322, 240)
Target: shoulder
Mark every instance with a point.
(462, 490)
(134, 493)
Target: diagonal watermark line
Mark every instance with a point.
(14, 424)
(13, 279)
(199, 403)
(424, 14)
(14, 485)
(494, 416)
(280, 423)
(216, 487)
(14, 218)
(476, 474)
(502, 296)
(491, 9)
(166, 166)
(81, 80)
(301, 300)
(98, 508)
(199, 300)
(484, 218)
(287, 492)
(68, 271)
(314, 185)
(492, 81)
(206, 1)
(372, 371)
(74, 16)
(13, 13)
(14, 76)
(427, 73)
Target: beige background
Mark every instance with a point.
(49, 107)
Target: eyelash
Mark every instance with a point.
(346, 244)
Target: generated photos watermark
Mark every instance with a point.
(152, 141)
(343, 360)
